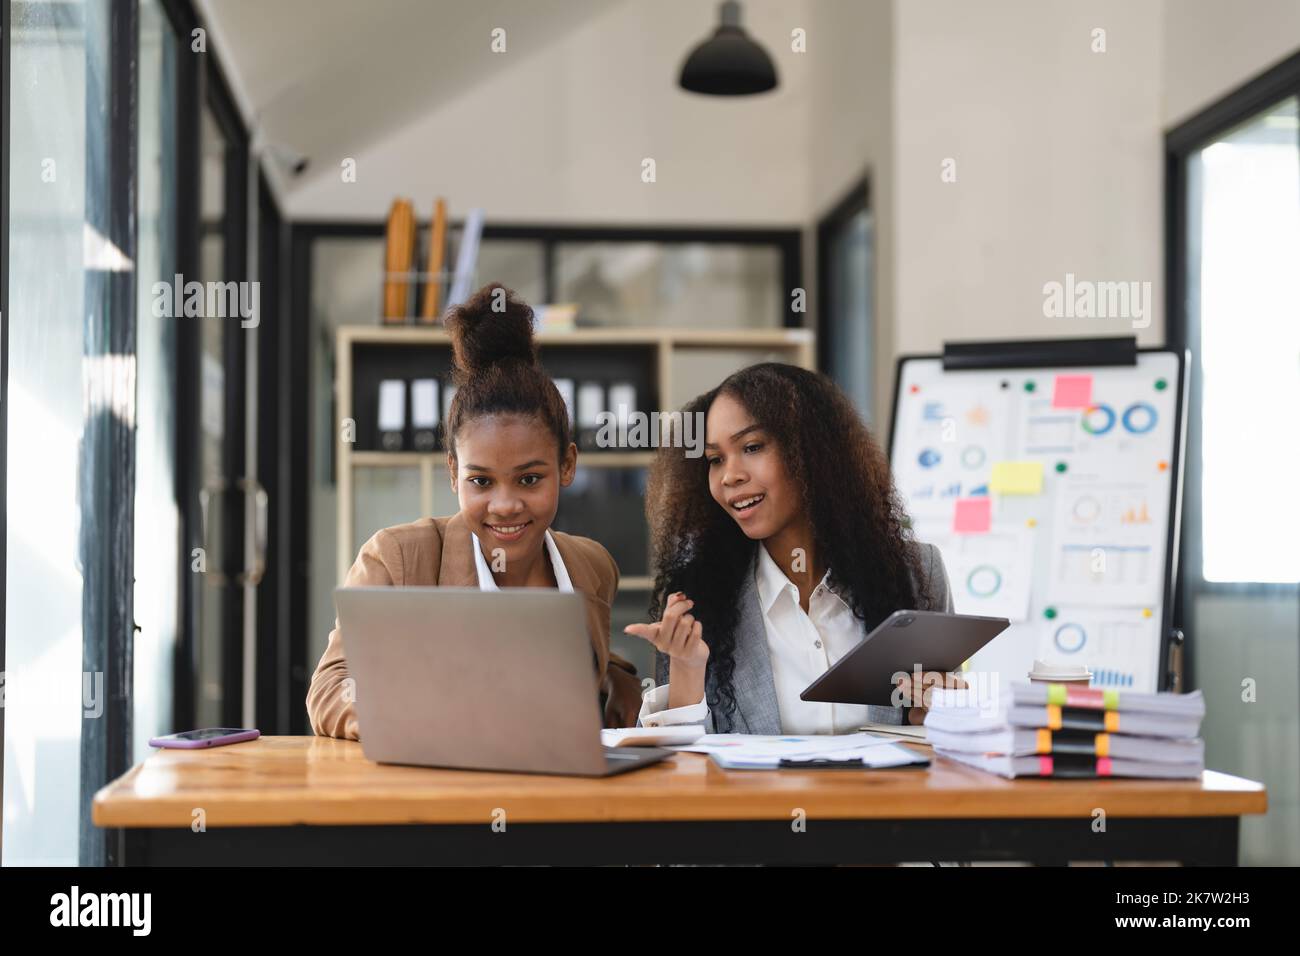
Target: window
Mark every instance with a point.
(53, 182)
(157, 518)
(655, 284)
(846, 317)
(1243, 304)
(1233, 233)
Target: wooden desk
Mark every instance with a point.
(317, 800)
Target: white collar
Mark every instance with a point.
(488, 583)
(772, 582)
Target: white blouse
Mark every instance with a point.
(802, 645)
(488, 583)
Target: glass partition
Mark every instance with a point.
(49, 239)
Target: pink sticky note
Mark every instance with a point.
(973, 515)
(1072, 391)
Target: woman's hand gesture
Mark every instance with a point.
(679, 635)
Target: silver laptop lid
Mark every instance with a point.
(453, 677)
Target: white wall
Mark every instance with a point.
(1059, 149)
(851, 129)
(558, 134)
(1058, 156)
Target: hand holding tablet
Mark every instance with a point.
(904, 643)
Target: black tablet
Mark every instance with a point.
(904, 641)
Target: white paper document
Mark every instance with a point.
(651, 736)
(757, 752)
(991, 574)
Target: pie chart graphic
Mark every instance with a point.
(1098, 419)
(1086, 509)
(1070, 638)
(1139, 418)
(984, 581)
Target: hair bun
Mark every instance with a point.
(491, 327)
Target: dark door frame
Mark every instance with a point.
(274, 687)
(234, 248)
(201, 83)
(186, 118)
(856, 199)
(106, 470)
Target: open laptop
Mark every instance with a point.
(457, 677)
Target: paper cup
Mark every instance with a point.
(1049, 673)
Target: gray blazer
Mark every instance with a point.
(756, 706)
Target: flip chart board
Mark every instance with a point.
(1052, 494)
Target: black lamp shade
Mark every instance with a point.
(729, 63)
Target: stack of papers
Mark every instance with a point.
(915, 733)
(756, 752)
(668, 736)
(1061, 730)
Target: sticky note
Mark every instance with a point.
(1017, 478)
(972, 515)
(1072, 391)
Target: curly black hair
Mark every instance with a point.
(860, 529)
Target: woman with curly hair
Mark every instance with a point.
(776, 553)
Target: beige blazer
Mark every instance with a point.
(439, 551)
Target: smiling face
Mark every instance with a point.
(747, 476)
(508, 477)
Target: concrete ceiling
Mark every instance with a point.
(328, 77)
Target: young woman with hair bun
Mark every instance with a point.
(510, 451)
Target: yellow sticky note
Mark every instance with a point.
(1017, 478)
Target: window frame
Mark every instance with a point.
(201, 84)
(787, 241)
(857, 199)
(1274, 85)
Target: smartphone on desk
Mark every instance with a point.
(207, 737)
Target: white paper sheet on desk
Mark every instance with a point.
(756, 752)
(914, 733)
(871, 756)
(784, 744)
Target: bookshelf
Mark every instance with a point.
(672, 366)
